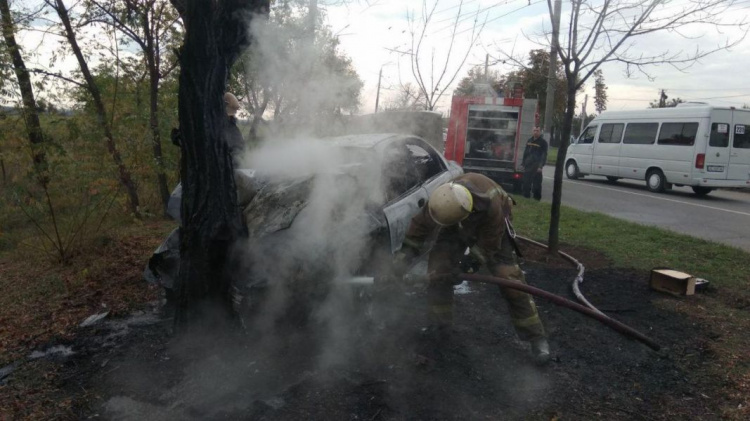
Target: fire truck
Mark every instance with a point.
(487, 135)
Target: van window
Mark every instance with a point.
(640, 133)
(588, 135)
(741, 136)
(719, 135)
(611, 133)
(681, 134)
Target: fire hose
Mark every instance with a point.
(555, 299)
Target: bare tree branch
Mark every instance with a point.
(440, 84)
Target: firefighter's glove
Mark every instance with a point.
(469, 264)
(401, 264)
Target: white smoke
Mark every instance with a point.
(302, 71)
(327, 192)
(328, 240)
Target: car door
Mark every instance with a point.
(717, 152)
(739, 152)
(606, 158)
(410, 172)
(585, 149)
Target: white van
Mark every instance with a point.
(692, 144)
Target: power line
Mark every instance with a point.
(504, 15)
(470, 16)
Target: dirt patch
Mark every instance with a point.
(372, 359)
(43, 303)
(589, 258)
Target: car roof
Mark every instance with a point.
(366, 141)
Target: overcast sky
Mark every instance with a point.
(370, 32)
(376, 34)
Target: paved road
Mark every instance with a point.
(722, 216)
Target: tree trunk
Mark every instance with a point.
(30, 115)
(554, 223)
(153, 73)
(161, 175)
(215, 33)
(124, 173)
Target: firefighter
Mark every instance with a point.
(534, 157)
(472, 212)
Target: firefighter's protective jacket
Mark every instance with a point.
(535, 154)
(482, 230)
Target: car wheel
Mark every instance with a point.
(655, 181)
(571, 170)
(701, 191)
(612, 179)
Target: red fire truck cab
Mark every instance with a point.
(487, 135)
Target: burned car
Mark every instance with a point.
(334, 209)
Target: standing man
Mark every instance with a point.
(232, 135)
(472, 212)
(534, 158)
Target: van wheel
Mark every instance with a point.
(571, 170)
(655, 181)
(701, 191)
(612, 179)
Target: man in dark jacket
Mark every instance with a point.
(534, 157)
(232, 135)
(472, 212)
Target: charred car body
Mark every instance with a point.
(333, 210)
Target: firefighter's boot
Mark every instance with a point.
(540, 350)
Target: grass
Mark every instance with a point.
(551, 155)
(629, 244)
(724, 310)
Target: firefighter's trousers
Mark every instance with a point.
(445, 257)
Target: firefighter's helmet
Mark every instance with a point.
(231, 104)
(450, 204)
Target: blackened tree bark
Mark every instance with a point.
(124, 174)
(215, 34)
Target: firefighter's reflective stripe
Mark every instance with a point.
(527, 322)
(478, 254)
(415, 244)
(511, 232)
(497, 191)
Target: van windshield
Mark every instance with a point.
(588, 135)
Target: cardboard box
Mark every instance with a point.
(672, 282)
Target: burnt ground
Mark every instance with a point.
(371, 359)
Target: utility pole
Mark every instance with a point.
(377, 96)
(549, 105)
(486, 65)
(583, 113)
(663, 99)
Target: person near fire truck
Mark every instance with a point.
(534, 158)
(471, 212)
